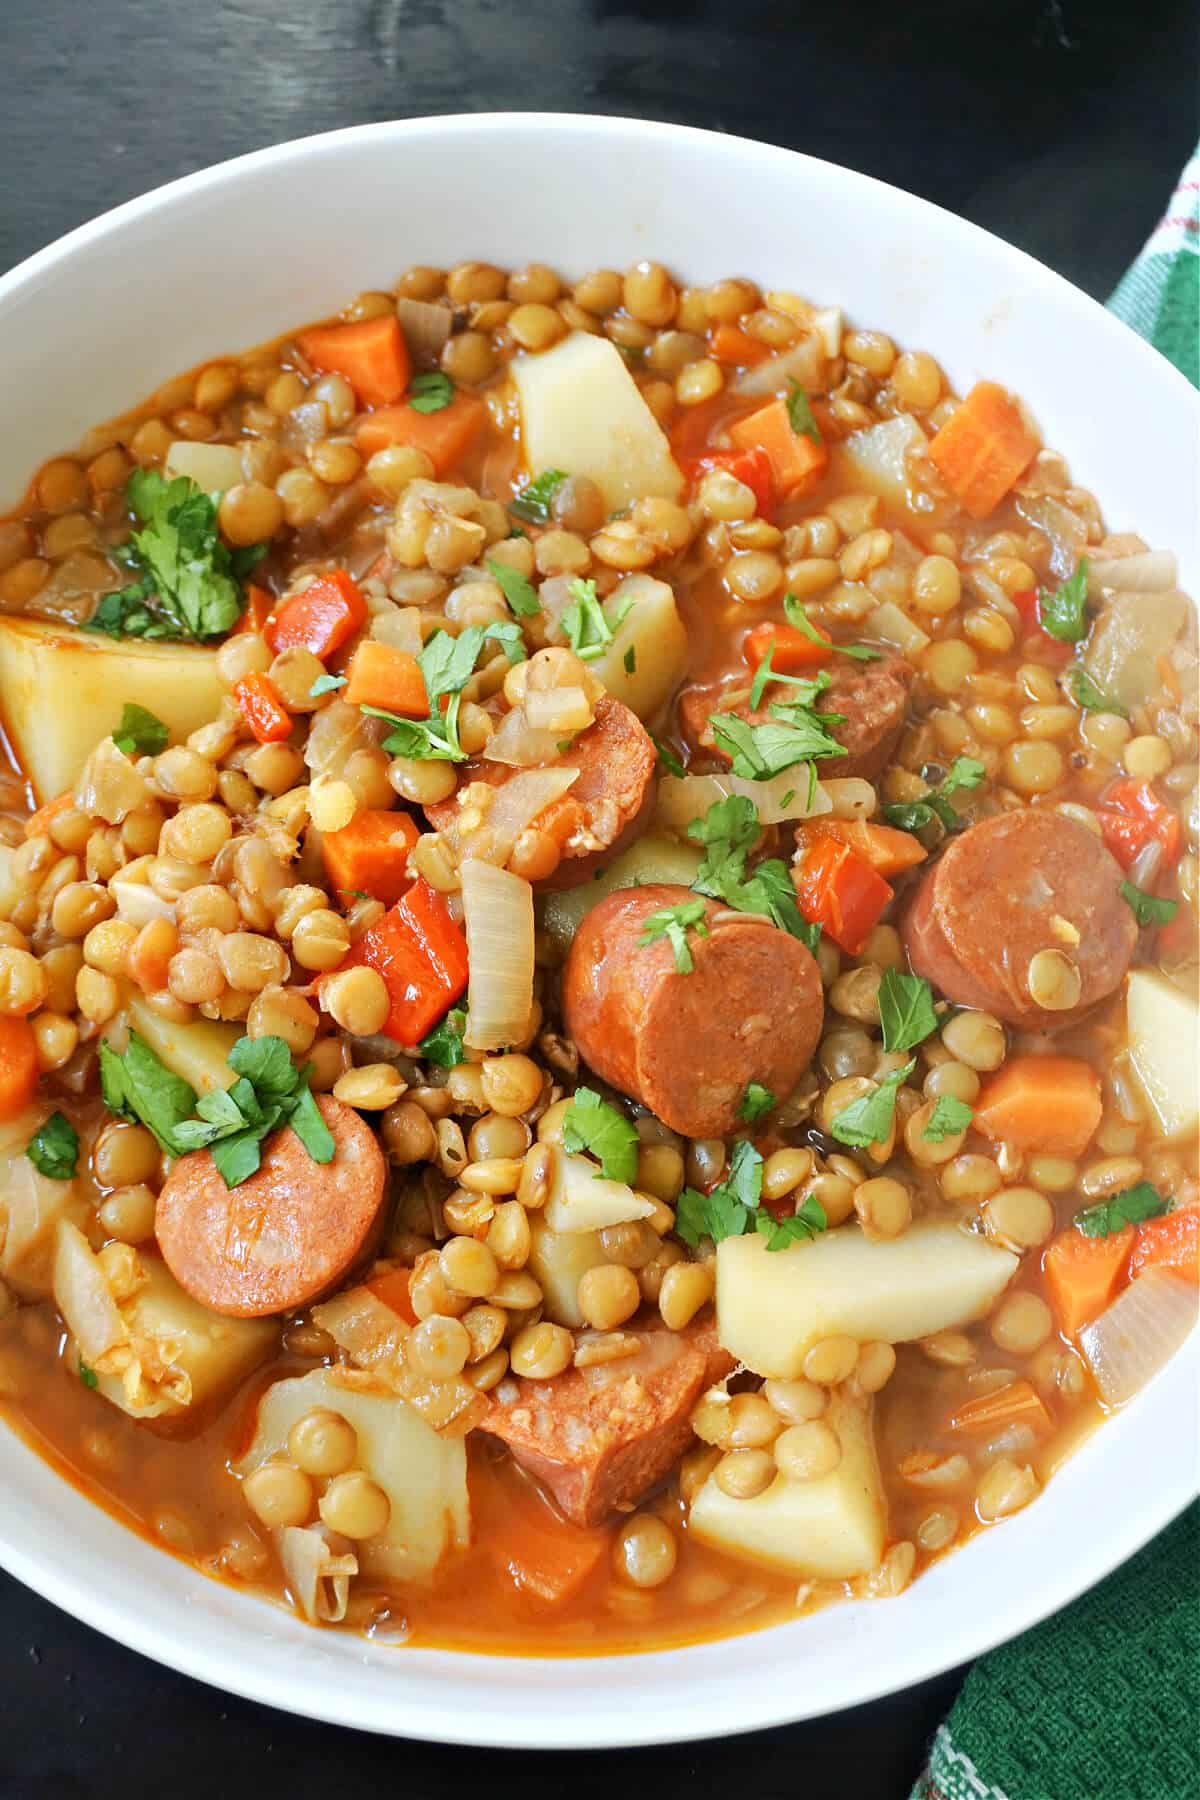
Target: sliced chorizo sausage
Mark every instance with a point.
(871, 696)
(1007, 889)
(286, 1235)
(599, 1439)
(688, 1044)
(609, 805)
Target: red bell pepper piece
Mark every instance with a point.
(1028, 602)
(1133, 814)
(422, 956)
(321, 617)
(752, 467)
(260, 603)
(839, 890)
(790, 649)
(262, 709)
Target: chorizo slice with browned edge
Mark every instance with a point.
(599, 1439)
(606, 809)
(285, 1236)
(871, 696)
(688, 1045)
(1003, 892)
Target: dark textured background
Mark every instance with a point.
(1059, 124)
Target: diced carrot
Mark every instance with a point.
(445, 436)
(370, 353)
(147, 962)
(392, 1288)
(546, 1558)
(18, 1064)
(1050, 1104)
(380, 675)
(422, 955)
(38, 823)
(321, 617)
(1018, 1403)
(796, 462)
(370, 855)
(839, 891)
(1131, 815)
(751, 467)
(728, 344)
(1082, 1274)
(263, 710)
(790, 648)
(260, 604)
(1172, 1242)
(983, 448)
(888, 850)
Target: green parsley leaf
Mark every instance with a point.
(868, 1121)
(54, 1148)
(807, 687)
(1130, 1207)
(964, 772)
(310, 1127)
(667, 757)
(793, 735)
(517, 589)
(728, 830)
(590, 630)
(674, 923)
(796, 615)
(591, 1123)
(1063, 613)
(444, 1043)
(511, 639)
(800, 413)
(1147, 909)
(140, 732)
(744, 1180)
(447, 664)
(948, 1118)
(806, 1223)
(326, 684)
(630, 660)
(1089, 695)
(88, 1375)
(237, 1157)
(756, 1103)
(717, 1215)
(770, 891)
(533, 500)
(138, 1085)
(429, 393)
(266, 1063)
(915, 815)
(189, 581)
(905, 1010)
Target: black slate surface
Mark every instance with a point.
(1059, 124)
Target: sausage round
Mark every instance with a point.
(606, 809)
(283, 1237)
(688, 1045)
(1007, 888)
(871, 696)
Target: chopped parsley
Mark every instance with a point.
(733, 1208)
(1089, 695)
(444, 1044)
(800, 413)
(674, 923)
(431, 392)
(1147, 909)
(728, 831)
(591, 1123)
(915, 815)
(868, 1121)
(807, 686)
(800, 1227)
(589, 628)
(1063, 613)
(948, 1118)
(187, 580)
(517, 589)
(905, 1010)
(54, 1148)
(87, 1375)
(793, 734)
(447, 664)
(1130, 1207)
(795, 614)
(532, 502)
(629, 660)
(326, 684)
(756, 1103)
(140, 732)
(667, 757)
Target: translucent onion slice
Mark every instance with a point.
(1065, 530)
(1139, 1333)
(318, 1566)
(804, 362)
(516, 743)
(137, 902)
(1148, 572)
(498, 913)
(682, 798)
(84, 1298)
(516, 805)
(425, 326)
(399, 627)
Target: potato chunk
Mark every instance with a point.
(557, 1260)
(1164, 1040)
(647, 658)
(772, 1306)
(31, 1205)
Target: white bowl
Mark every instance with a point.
(239, 253)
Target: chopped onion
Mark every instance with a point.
(516, 742)
(399, 627)
(84, 1298)
(891, 626)
(1138, 1334)
(879, 455)
(517, 804)
(137, 902)
(425, 326)
(109, 786)
(682, 798)
(1150, 572)
(581, 1199)
(1065, 530)
(804, 362)
(337, 731)
(318, 1566)
(498, 914)
(558, 709)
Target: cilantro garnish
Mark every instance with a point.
(591, 1123)
(589, 628)
(87, 1375)
(326, 684)
(905, 1010)
(54, 1148)
(674, 923)
(188, 580)
(667, 756)
(431, 392)
(868, 1121)
(1130, 1207)
(800, 1227)
(1147, 909)
(795, 614)
(444, 1044)
(807, 686)
(793, 734)
(800, 413)
(517, 589)
(140, 732)
(756, 1102)
(447, 664)
(533, 500)
(630, 660)
(728, 831)
(733, 1208)
(914, 815)
(1063, 613)
(1090, 696)
(948, 1118)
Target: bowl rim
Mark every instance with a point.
(623, 1724)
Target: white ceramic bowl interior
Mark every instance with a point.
(238, 254)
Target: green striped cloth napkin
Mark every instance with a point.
(1102, 1702)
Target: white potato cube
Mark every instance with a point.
(214, 467)
(197, 1052)
(647, 658)
(1164, 1039)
